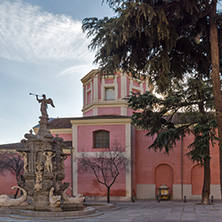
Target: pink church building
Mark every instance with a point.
(107, 118)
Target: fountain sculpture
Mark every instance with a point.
(43, 169)
(43, 177)
(44, 163)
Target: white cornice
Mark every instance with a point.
(59, 131)
(87, 76)
(56, 131)
(104, 103)
(107, 121)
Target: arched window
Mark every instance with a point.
(101, 139)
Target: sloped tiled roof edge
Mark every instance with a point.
(65, 123)
(11, 146)
(20, 146)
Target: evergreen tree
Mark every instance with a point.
(164, 39)
(184, 110)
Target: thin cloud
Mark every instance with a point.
(28, 34)
(74, 70)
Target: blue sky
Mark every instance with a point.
(42, 50)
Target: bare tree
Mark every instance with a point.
(11, 162)
(105, 165)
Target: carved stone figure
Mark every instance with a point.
(25, 159)
(44, 103)
(48, 163)
(54, 201)
(39, 166)
(38, 186)
(38, 176)
(7, 201)
(38, 182)
(78, 199)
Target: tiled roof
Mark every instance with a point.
(60, 123)
(20, 146)
(11, 146)
(65, 123)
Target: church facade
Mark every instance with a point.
(106, 118)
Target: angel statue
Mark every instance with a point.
(44, 103)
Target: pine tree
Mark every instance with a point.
(189, 105)
(161, 39)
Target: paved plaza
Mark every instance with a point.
(149, 211)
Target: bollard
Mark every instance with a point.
(133, 196)
(158, 198)
(184, 199)
(212, 199)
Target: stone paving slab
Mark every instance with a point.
(148, 211)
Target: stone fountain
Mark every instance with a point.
(44, 164)
(43, 177)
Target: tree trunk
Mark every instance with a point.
(215, 75)
(108, 194)
(206, 182)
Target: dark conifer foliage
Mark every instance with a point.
(173, 42)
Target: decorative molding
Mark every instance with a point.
(123, 86)
(128, 145)
(123, 110)
(93, 154)
(63, 131)
(75, 161)
(101, 121)
(89, 75)
(95, 111)
(96, 91)
(105, 104)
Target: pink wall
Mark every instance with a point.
(109, 111)
(68, 172)
(147, 161)
(85, 136)
(129, 112)
(215, 164)
(93, 90)
(89, 100)
(108, 81)
(88, 113)
(88, 85)
(144, 87)
(88, 185)
(135, 83)
(197, 175)
(128, 84)
(84, 95)
(119, 86)
(99, 87)
(7, 181)
(134, 159)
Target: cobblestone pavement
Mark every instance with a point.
(148, 211)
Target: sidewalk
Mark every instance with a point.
(151, 211)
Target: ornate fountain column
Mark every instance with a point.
(44, 163)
